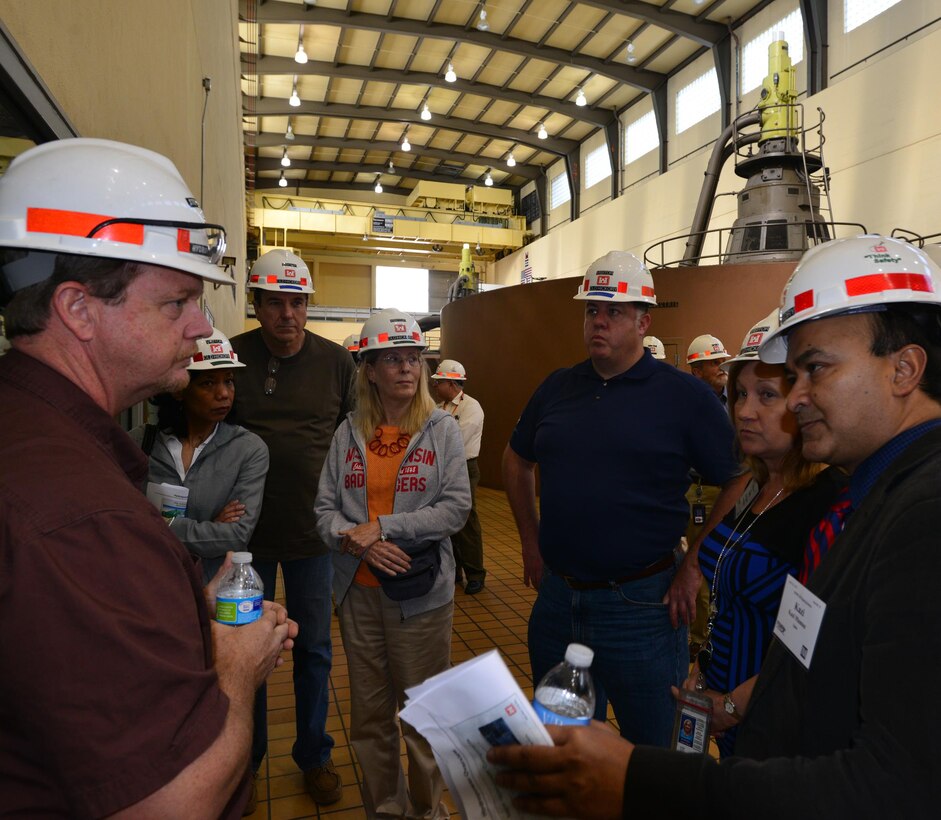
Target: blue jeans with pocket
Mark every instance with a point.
(638, 654)
(307, 591)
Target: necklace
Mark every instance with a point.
(388, 450)
(705, 653)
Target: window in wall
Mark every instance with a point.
(755, 52)
(857, 12)
(529, 208)
(597, 166)
(640, 137)
(559, 192)
(697, 101)
(402, 288)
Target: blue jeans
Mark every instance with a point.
(307, 592)
(638, 654)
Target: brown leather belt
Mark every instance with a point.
(664, 563)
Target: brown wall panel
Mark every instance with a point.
(510, 339)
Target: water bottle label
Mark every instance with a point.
(547, 716)
(238, 611)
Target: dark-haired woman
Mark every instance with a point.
(222, 465)
(746, 559)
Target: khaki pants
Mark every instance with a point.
(387, 655)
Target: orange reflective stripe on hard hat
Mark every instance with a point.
(450, 375)
(382, 337)
(646, 291)
(874, 282)
(76, 223)
(183, 240)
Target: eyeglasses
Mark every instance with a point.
(392, 360)
(201, 238)
(271, 383)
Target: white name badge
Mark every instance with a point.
(799, 619)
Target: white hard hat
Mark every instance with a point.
(753, 339)
(280, 270)
(450, 370)
(704, 348)
(94, 197)
(849, 276)
(351, 342)
(390, 328)
(619, 276)
(214, 351)
(655, 346)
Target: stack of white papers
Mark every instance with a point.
(462, 713)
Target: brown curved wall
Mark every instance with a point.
(510, 339)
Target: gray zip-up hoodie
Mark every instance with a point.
(431, 502)
(233, 464)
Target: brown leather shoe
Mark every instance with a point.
(324, 784)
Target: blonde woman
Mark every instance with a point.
(393, 490)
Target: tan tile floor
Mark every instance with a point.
(496, 617)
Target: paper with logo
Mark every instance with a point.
(169, 499)
(462, 713)
(799, 617)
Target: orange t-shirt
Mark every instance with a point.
(381, 473)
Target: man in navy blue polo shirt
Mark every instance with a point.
(615, 437)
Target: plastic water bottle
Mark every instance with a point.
(566, 694)
(240, 594)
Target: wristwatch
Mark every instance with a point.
(730, 706)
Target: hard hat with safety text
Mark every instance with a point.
(618, 276)
(705, 348)
(655, 346)
(451, 370)
(390, 328)
(753, 339)
(94, 197)
(214, 351)
(855, 275)
(280, 270)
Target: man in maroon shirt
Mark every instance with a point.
(119, 696)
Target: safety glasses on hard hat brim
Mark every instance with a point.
(200, 238)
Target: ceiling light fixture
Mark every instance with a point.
(282, 182)
(542, 133)
(580, 100)
(378, 188)
(300, 56)
(631, 56)
(511, 160)
(406, 145)
(426, 112)
(285, 159)
(289, 134)
(294, 100)
(450, 76)
(391, 167)
(482, 24)
(488, 180)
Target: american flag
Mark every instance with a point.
(526, 275)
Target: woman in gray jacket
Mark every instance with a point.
(222, 465)
(393, 489)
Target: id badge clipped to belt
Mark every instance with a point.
(691, 723)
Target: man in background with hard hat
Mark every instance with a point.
(834, 727)
(294, 392)
(614, 438)
(118, 693)
(704, 356)
(468, 544)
